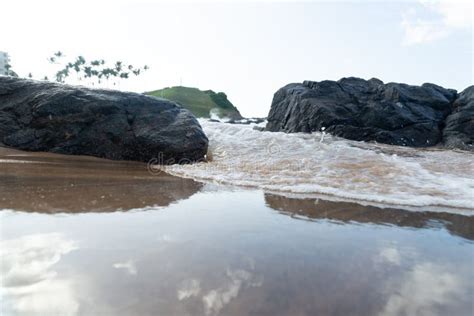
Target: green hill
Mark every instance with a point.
(200, 103)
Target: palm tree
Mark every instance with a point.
(9, 71)
(95, 69)
(56, 56)
(77, 66)
(62, 74)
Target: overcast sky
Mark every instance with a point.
(248, 49)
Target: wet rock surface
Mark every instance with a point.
(45, 116)
(369, 110)
(459, 126)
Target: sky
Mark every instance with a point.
(248, 49)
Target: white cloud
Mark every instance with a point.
(128, 266)
(189, 288)
(389, 255)
(445, 17)
(237, 280)
(421, 31)
(216, 299)
(30, 285)
(426, 287)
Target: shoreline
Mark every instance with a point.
(47, 183)
(45, 168)
(129, 237)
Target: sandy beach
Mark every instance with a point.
(237, 158)
(104, 237)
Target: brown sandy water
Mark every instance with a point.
(85, 236)
(315, 164)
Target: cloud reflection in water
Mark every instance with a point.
(30, 285)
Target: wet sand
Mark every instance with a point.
(85, 236)
(50, 183)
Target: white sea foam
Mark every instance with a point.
(320, 164)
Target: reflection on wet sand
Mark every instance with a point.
(227, 253)
(460, 225)
(215, 251)
(45, 182)
(423, 289)
(30, 284)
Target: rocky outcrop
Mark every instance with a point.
(459, 129)
(45, 116)
(369, 110)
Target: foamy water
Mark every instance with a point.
(306, 164)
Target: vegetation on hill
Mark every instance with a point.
(201, 103)
(93, 72)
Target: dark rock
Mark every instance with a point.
(459, 129)
(45, 116)
(364, 110)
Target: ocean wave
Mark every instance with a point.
(321, 164)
